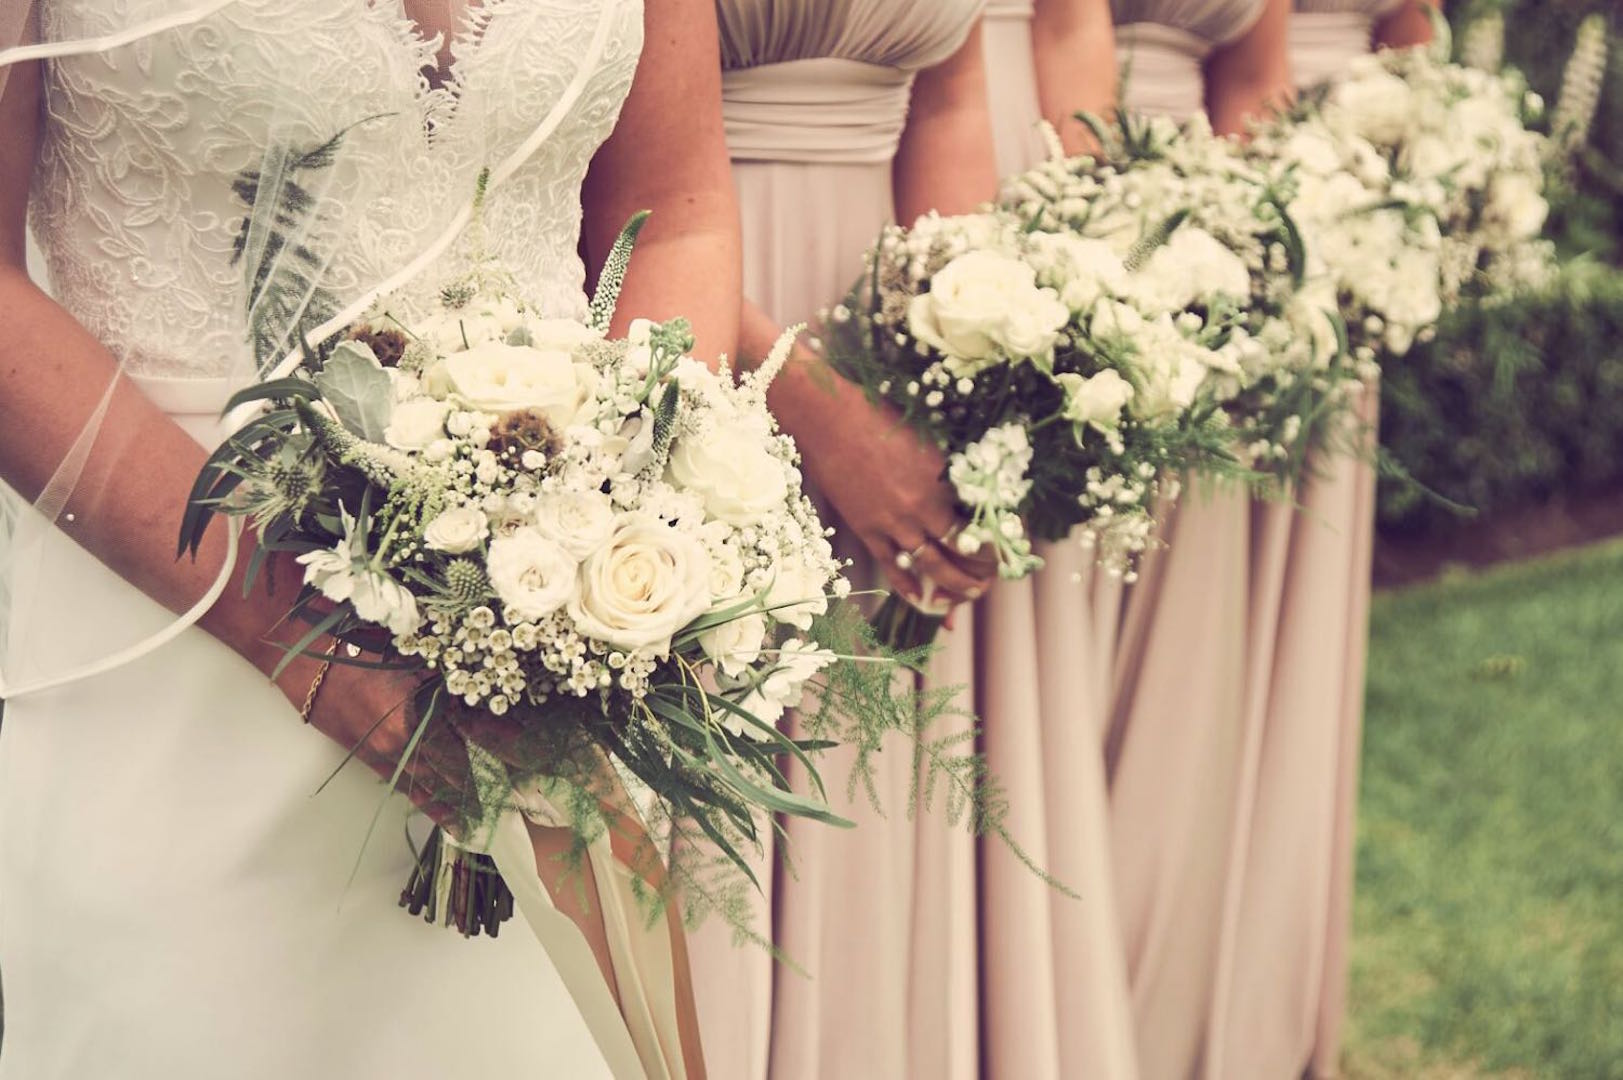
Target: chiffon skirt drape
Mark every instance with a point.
(1053, 978)
(881, 917)
(1232, 754)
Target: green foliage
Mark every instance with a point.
(1487, 935)
(1510, 405)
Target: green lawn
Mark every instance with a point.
(1489, 920)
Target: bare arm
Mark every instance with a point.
(946, 161)
(1250, 76)
(668, 154)
(1074, 46)
(1409, 24)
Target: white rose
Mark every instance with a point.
(1379, 106)
(457, 531)
(736, 643)
(1098, 400)
(984, 301)
(730, 468)
(559, 335)
(726, 576)
(1115, 319)
(1314, 151)
(644, 585)
(532, 573)
(1172, 368)
(499, 378)
(797, 595)
(415, 424)
(1516, 208)
(580, 522)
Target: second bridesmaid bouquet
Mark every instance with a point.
(1058, 404)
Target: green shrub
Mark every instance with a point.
(1510, 405)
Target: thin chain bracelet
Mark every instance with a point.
(315, 684)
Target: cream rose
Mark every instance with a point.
(982, 305)
(580, 522)
(1097, 401)
(498, 378)
(731, 470)
(415, 424)
(531, 573)
(736, 643)
(1192, 265)
(458, 531)
(644, 585)
(1378, 105)
(1516, 207)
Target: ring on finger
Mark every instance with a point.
(906, 560)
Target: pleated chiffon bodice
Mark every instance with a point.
(1163, 45)
(1326, 35)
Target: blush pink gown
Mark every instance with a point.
(1287, 965)
(1054, 979)
(882, 918)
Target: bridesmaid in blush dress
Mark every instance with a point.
(836, 111)
(1053, 983)
(1286, 930)
(1181, 750)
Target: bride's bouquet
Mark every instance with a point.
(603, 543)
(1060, 400)
(1215, 252)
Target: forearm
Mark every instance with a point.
(691, 267)
(1250, 77)
(1409, 25)
(946, 161)
(1074, 49)
(126, 504)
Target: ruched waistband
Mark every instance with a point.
(1008, 9)
(1323, 43)
(1162, 72)
(819, 110)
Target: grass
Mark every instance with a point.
(1489, 919)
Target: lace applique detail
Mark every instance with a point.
(133, 201)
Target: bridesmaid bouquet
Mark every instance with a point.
(1060, 405)
(1215, 258)
(602, 542)
(1449, 148)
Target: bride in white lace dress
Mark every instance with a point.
(176, 900)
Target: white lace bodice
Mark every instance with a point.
(133, 199)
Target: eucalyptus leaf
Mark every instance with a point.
(358, 389)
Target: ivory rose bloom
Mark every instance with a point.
(730, 468)
(1098, 400)
(580, 522)
(458, 531)
(415, 424)
(532, 574)
(735, 644)
(499, 378)
(641, 587)
(983, 305)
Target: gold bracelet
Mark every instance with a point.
(315, 684)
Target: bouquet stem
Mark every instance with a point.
(476, 899)
(900, 624)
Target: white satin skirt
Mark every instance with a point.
(177, 901)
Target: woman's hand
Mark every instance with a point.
(886, 484)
